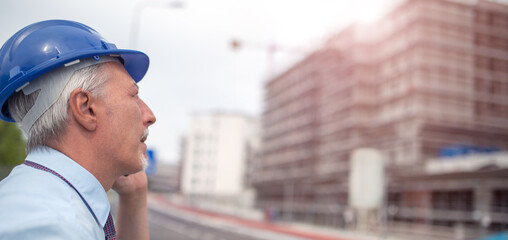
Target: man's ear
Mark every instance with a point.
(82, 108)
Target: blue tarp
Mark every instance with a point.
(496, 236)
(461, 150)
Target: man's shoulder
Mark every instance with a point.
(25, 181)
(33, 199)
(27, 188)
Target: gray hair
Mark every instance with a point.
(50, 124)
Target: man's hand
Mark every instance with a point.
(132, 184)
(132, 215)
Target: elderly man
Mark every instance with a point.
(76, 99)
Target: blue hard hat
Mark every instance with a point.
(41, 47)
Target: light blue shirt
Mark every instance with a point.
(35, 204)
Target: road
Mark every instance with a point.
(171, 222)
(175, 226)
(168, 227)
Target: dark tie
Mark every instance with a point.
(109, 228)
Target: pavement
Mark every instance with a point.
(296, 230)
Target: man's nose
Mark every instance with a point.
(148, 116)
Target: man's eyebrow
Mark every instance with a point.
(136, 85)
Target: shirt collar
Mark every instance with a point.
(84, 182)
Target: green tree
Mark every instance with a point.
(12, 147)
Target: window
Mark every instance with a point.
(453, 200)
(500, 201)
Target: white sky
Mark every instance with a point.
(193, 68)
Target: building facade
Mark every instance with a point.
(430, 75)
(215, 153)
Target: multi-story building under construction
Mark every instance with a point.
(428, 78)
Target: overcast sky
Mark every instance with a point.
(193, 68)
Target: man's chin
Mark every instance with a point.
(144, 161)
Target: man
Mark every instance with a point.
(76, 98)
